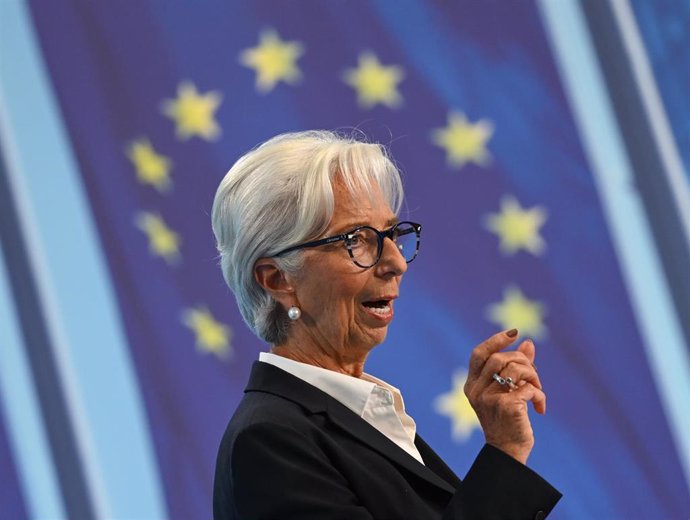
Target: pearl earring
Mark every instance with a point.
(294, 313)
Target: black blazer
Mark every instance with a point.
(291, 451)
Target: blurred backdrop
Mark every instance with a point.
(544, 146)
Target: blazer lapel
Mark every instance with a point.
(358, 427)
(268, 378)
(436, 463)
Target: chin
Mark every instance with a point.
(379, 336)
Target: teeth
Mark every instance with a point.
(381, 310)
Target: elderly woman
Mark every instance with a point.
(311, 246)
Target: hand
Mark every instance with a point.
(502, 411)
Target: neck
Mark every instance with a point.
(319, 357)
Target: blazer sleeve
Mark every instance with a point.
(498, 487)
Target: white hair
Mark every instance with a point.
(281, 194)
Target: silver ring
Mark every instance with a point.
(501, 381)
(511, 385)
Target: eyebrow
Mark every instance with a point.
(354, 225)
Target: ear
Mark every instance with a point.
(273, 280)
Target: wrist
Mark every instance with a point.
(518, 452)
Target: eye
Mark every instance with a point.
(356, 239)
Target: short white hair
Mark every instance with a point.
(281, 194)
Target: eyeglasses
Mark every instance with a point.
(365, 244)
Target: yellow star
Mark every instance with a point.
(211, 335)
(375, 83)
(163, 241)
(455, 406)
(273, 60)
(464, 141)
(193, 113)
(516, 311)
(152, 168)
(518, 228)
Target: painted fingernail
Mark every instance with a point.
(512, 333)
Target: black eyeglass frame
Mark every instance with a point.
(349, 235)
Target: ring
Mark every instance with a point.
(504, 381)
(501, 381)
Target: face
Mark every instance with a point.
(346, 309)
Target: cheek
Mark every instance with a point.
(343, 299)
(337, 302)
(331, 290)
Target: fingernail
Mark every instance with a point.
(512, 333)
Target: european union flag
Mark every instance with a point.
(513, 159)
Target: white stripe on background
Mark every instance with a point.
(74, 288)
(661, 129)
(632, 238)
(25, 428)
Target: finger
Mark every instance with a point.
(483, 351)
(529, 392)
(520, 373)
(500, 360)
(528, 349)
(496, 364)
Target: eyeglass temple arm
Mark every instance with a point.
(320, 242)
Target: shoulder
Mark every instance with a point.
(259, 410)
(265, 431)
(263, 416)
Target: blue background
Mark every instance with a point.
(142, 408)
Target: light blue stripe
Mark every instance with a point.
(642, 271)
(666, 145)
(25, 427)
(75, 291)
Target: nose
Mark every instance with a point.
(391, 261)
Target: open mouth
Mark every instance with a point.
(379, 307)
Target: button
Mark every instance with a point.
(540, 515)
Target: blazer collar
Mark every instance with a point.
(273, 380)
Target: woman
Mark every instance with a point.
(312, 248)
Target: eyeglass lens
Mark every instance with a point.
(364, 244)
(405, 239)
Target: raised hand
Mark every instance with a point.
(502, 408)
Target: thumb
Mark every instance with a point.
(528, 349)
